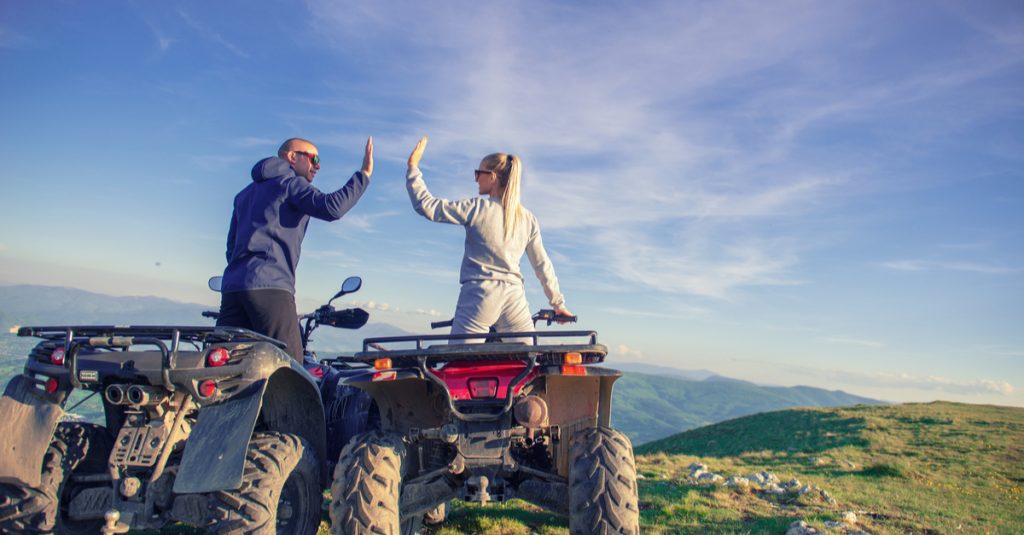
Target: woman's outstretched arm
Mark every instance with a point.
(428, 206)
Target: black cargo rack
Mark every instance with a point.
(121, 337)
(203, 334)
(373, 348)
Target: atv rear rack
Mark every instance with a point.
(374, 348)
(124, 336)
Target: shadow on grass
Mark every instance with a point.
(469, 518)
(805, 431)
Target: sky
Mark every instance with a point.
(788, 192)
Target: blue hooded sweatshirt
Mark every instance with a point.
(269, 223)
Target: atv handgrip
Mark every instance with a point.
(439, 324)
(550, 316)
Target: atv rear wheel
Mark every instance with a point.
(77, 448)
(602, 483)
(367, 484)
(280, 490)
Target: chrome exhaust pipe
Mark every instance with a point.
(114, 394)
(144, 395)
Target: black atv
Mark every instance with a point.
(215, 427)
(519, 416)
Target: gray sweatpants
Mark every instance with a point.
(483, 303)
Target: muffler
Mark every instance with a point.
(144, 395)
(115, 395)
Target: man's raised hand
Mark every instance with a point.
(368, 158)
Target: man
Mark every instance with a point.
(265, 237)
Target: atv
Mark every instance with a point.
(518, 416)
(215, 427)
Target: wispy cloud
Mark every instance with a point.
(853, 341)
(930, 265)
(854, 379)
(628, 140)
(366, 223)
(163, 42)
(12, 39)
(208, 33)
(625, 352)
(255, 142)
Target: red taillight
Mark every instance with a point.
(51, 385)
(57, 357)
(483, 388)
(207, 388)
(217, 356)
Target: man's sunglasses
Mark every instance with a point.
(313, 158)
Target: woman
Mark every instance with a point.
(498, 231)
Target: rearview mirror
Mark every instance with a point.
(351, 284)
(215, 282)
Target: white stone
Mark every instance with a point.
(710, 477)
(800, 528)
(736, 481)
(850, 517)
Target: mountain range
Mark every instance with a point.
(650, 401)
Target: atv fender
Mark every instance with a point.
(27, 422)
(214, 457)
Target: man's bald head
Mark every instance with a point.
(302, 155)
(295, 144)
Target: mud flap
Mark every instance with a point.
(27, 422)
(214, 457)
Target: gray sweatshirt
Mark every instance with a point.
(488, 256)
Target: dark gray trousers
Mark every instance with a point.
(270, 312)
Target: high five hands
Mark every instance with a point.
(417, 152)
(367, 168)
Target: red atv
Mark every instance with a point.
(486, 422)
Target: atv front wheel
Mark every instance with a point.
(280, 490)
(367, 483)
(77, 448)
(602, 483)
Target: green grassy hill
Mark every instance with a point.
(921, 468)
(914, 468)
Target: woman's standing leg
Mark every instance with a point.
(479, 307)
(515, 314)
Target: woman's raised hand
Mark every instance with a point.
(367, 168)
(417, 152)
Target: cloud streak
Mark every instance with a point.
(929, 265)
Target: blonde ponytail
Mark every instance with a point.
(510, 199)
(508, 169)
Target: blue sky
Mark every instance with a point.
(822, 193)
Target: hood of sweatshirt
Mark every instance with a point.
(271, 168)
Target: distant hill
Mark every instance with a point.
(914, 468)
(654, 369)
(648, 407)
(26, 304)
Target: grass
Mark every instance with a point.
(915, 468)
